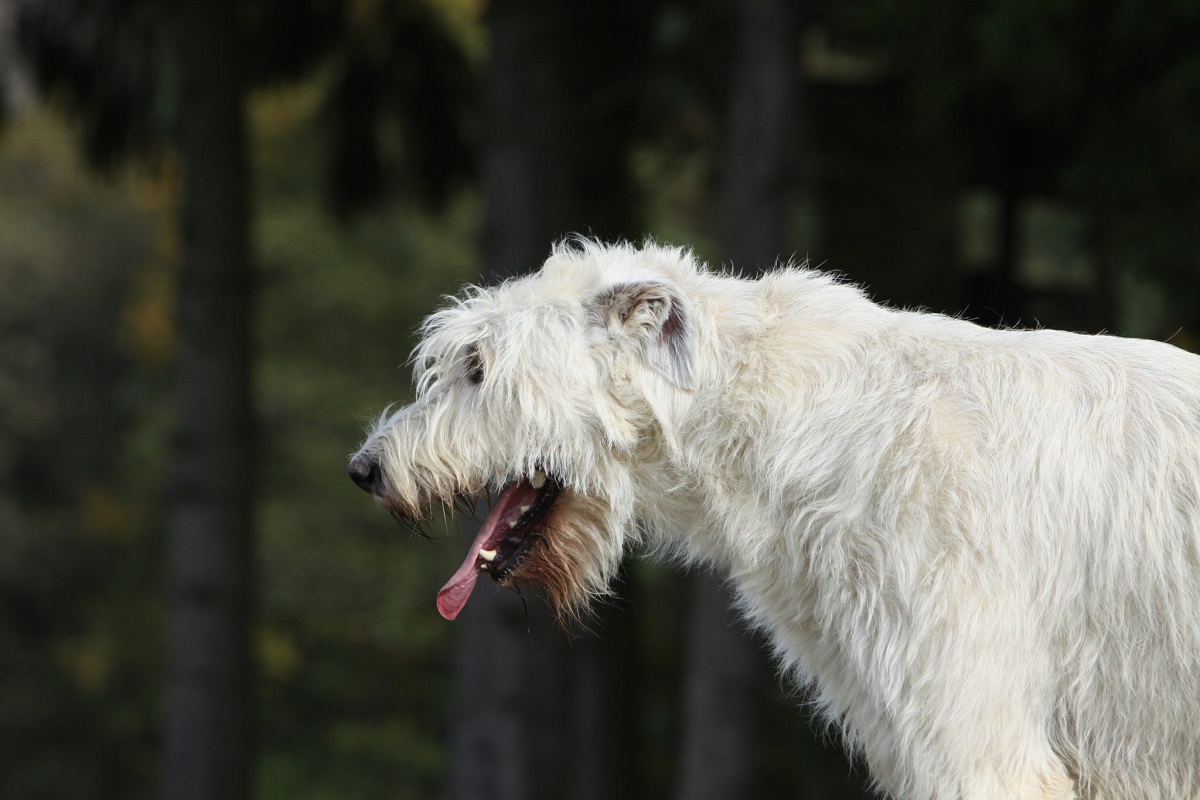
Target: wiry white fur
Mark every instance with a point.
(981, 547)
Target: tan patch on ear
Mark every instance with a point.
(616, 304)
(657, 315)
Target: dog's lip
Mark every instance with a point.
(503, 539)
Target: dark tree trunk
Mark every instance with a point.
(606, 671)
(723, 699)
(526, 176)
(208, 739)
(512, 725)
(727, 668)
(495, 673)
(760, 157)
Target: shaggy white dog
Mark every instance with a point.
(981, 547)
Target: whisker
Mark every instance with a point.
(467, 506)
(414, 525)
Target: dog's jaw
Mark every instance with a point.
(505, 540)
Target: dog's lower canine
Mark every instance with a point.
(982, 548)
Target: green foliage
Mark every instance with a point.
(79, 561)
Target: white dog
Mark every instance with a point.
(981, 547)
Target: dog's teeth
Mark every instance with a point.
(487, 555)
(538, 480)
(525, 509)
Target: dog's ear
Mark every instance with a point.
(659, 316)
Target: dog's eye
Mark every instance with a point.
(473, 364)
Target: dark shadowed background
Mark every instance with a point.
(221, 221)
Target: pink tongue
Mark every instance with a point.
(453, 596)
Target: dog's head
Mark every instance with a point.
(549, 392)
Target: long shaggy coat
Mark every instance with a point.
(981, 547)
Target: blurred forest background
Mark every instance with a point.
(221, 221)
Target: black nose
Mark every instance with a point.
(365, 472)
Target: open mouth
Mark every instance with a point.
(504, 541)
